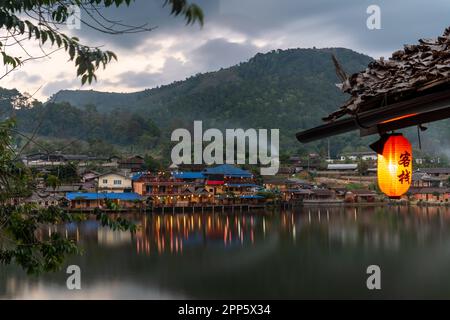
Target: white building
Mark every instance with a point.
(114, 182)
(343, 167)
(355, 156)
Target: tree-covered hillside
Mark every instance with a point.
(286, 89)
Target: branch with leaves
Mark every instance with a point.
(44, 20)
(20, 222)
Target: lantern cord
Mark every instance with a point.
(420, 128)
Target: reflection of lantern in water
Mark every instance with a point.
(394, 165)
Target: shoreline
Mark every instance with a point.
(241, 208)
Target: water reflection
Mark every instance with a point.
(309, 253)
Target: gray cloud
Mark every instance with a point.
(213, 55)
(172, 68)
(220, 53)
(20, 75)
(146, 13)
(403, 21)
(58, 85)
(143, 79)
(235, 30)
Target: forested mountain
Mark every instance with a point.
(286, 89)
(289, 88)
(103, 101)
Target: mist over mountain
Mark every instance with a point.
(285, 89)
(290, 90)
(282, 83)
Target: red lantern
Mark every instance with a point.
(395, 166)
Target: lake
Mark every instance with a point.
(307, 253)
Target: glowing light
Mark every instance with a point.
(395, 166)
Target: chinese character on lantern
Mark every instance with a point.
(395, 166)
(405, 159)
(404, 177)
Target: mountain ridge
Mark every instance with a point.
(290, 90)
(200, 82)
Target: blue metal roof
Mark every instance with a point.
(242, 185)
(229, 171)
(188, 175)
(103, 196)
(252, 197)
(137, 176)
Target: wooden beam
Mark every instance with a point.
(412, 121)
(424, 109)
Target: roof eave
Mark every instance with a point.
(424, 109)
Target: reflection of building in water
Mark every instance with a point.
(109, 237)
(175, 233)
(374, 227)
(340, 226)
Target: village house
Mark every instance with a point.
(227, 179)
(422, 179)
(288, 170)
(241, 189)
(160, 190)
(336, 170)
(194, 196)
(295, 161)
(297, 189)
(319, 194)
(357, 156)
(212, 185)
(133, 164)
(190, 167)
(89, 180)
(343, 167)
(429, 194)
(427, 160)
(158, 185)
(111, 163)
(45, 160)
(114, 182)
(299, 183)
(442, 173)
(295, 164)
(360, 195)
(89, 175)
(323, 194)
(192, 177)
(372, 172)
(63, 189)
(290, 188)
(312, 162)
(89, 201)
(89, 186)
(297, 195)
(43, 200)
(275, 183)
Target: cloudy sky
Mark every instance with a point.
(234, 31)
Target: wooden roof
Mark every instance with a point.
(413, 71)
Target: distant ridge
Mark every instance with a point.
(288, 90)
(296, 86)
